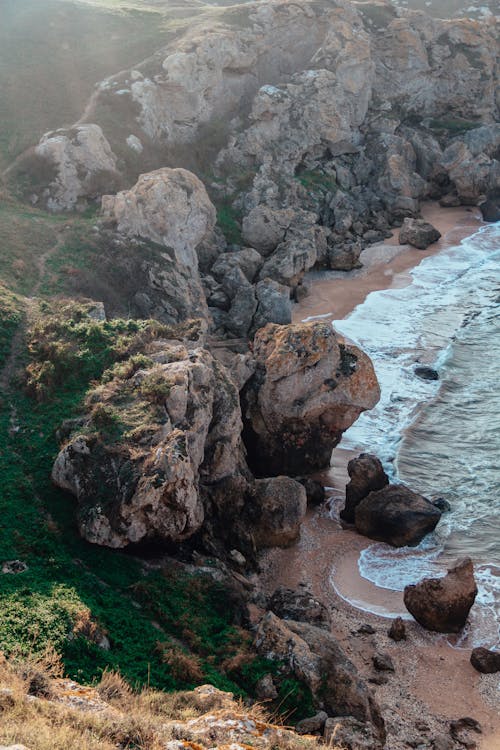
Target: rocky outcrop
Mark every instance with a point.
(396, 515)
(472, 163)
(314, 657)
(484, 660)
(418, 233)
(281, 505)
(443, 604)
(367, 475)
(165, 423)
(299, 605)
(81, 166)
(169, 207)
(307, 389)
(350, 734)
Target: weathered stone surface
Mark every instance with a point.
(351, 734)
(484, 660)
(313, 724)
(82, 163)
(397, 631)
(308, 388)
(383, 663)
(367, 475)
(315, 658)
(273, 304)
(179, 424)
(299, 605)
(396, 515)
(418, 233)
(443, 604)
(281, 505)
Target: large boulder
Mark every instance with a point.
(307, 389)
(164, 424)
(418, 233)
(367, 475)
(299, 605)
(396, 515)
(443, 604)
(315, 658)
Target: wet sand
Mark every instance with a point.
(433, 682)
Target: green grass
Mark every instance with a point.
(10, 317)
(228, 220)
(317, 182)
(452, 125)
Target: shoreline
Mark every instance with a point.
(434, 680)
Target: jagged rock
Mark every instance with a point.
(301, 606)
(265, 228)
(366, 629)
(443, 604)
(461, 730)
(344, 257)
(396, 515)
(383, 663)
(471, 162)
(397, 631)
(351, 734)
(315, 658)
(485, 661)
(451, 200)
(313, 724)
(303, 246)
(80, 163)
(418, 233)
(248, 260)
(307, 389)
(273, 304)
(367, 475)
(282, 505)
(178, 423)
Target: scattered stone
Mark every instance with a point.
(312, 725)
(443, 604)
(418, 233)
(14, 566)
(367, 475)
(350, 734)
(485, 661)
(461, 729)
(300, 605)
(426, 373)
(378, 679)
(396, 515)
(366, 629)
(383, 663)
(397, 631)
(237, 558)
(265, 689)
(442, 742)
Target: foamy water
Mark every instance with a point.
(442, 437)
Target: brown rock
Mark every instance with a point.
(397, 631)
(485, 661)
(461, 730)
(367, 475)
(418, 233)
(396, 515)
(350, 734)
(281, 504)
(312, 724)
(301, 606)
(443, 604)
(383, 663)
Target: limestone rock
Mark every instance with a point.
(281, 505)
(443, 604)
(150, 439)
(273, 304)
(484, 660)
(312, 724)
(396, 515)
(367, 475)
(82, 164)
(418, 233)
(299, 605)
(307, 389)
(351, 734)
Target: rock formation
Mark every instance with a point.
(443, 604)
(299, 605)
(367, 475)
(307, 389)
(418, 233)
(396, 515)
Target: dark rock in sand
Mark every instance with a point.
(485, 661)
(490, 210)
(366, 629)
(443, 604)
(367, 475)
(383, 663)
(426, 373)
(418, 233)
(397, 631)
(315, 490)
(313, 724)
(462, 731)
(396, 515)
(442, 742)
(300, 606)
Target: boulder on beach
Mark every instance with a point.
(396, 515)
(367, 475)
(490, 209)
(484, 660)
(299, 605)
(418, 233)
(443, 604)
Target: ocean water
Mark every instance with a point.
(441, 438)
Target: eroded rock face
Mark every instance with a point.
(307, 389)
(367, 475)
(280, 504)
(418, 233)
(396, 515)
(443, 604)
(82, 163)
(150, 439)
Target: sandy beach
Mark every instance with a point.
(433, 682)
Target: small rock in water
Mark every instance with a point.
(442, 504)
(397, 631)
(426, 373)
(485, 661)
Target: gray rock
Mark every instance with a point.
(273, 304)
(313, 724)
(247, 259)
(366, 475)
(265, 689)
(280, 506)
(350, 734)
(418, 233)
